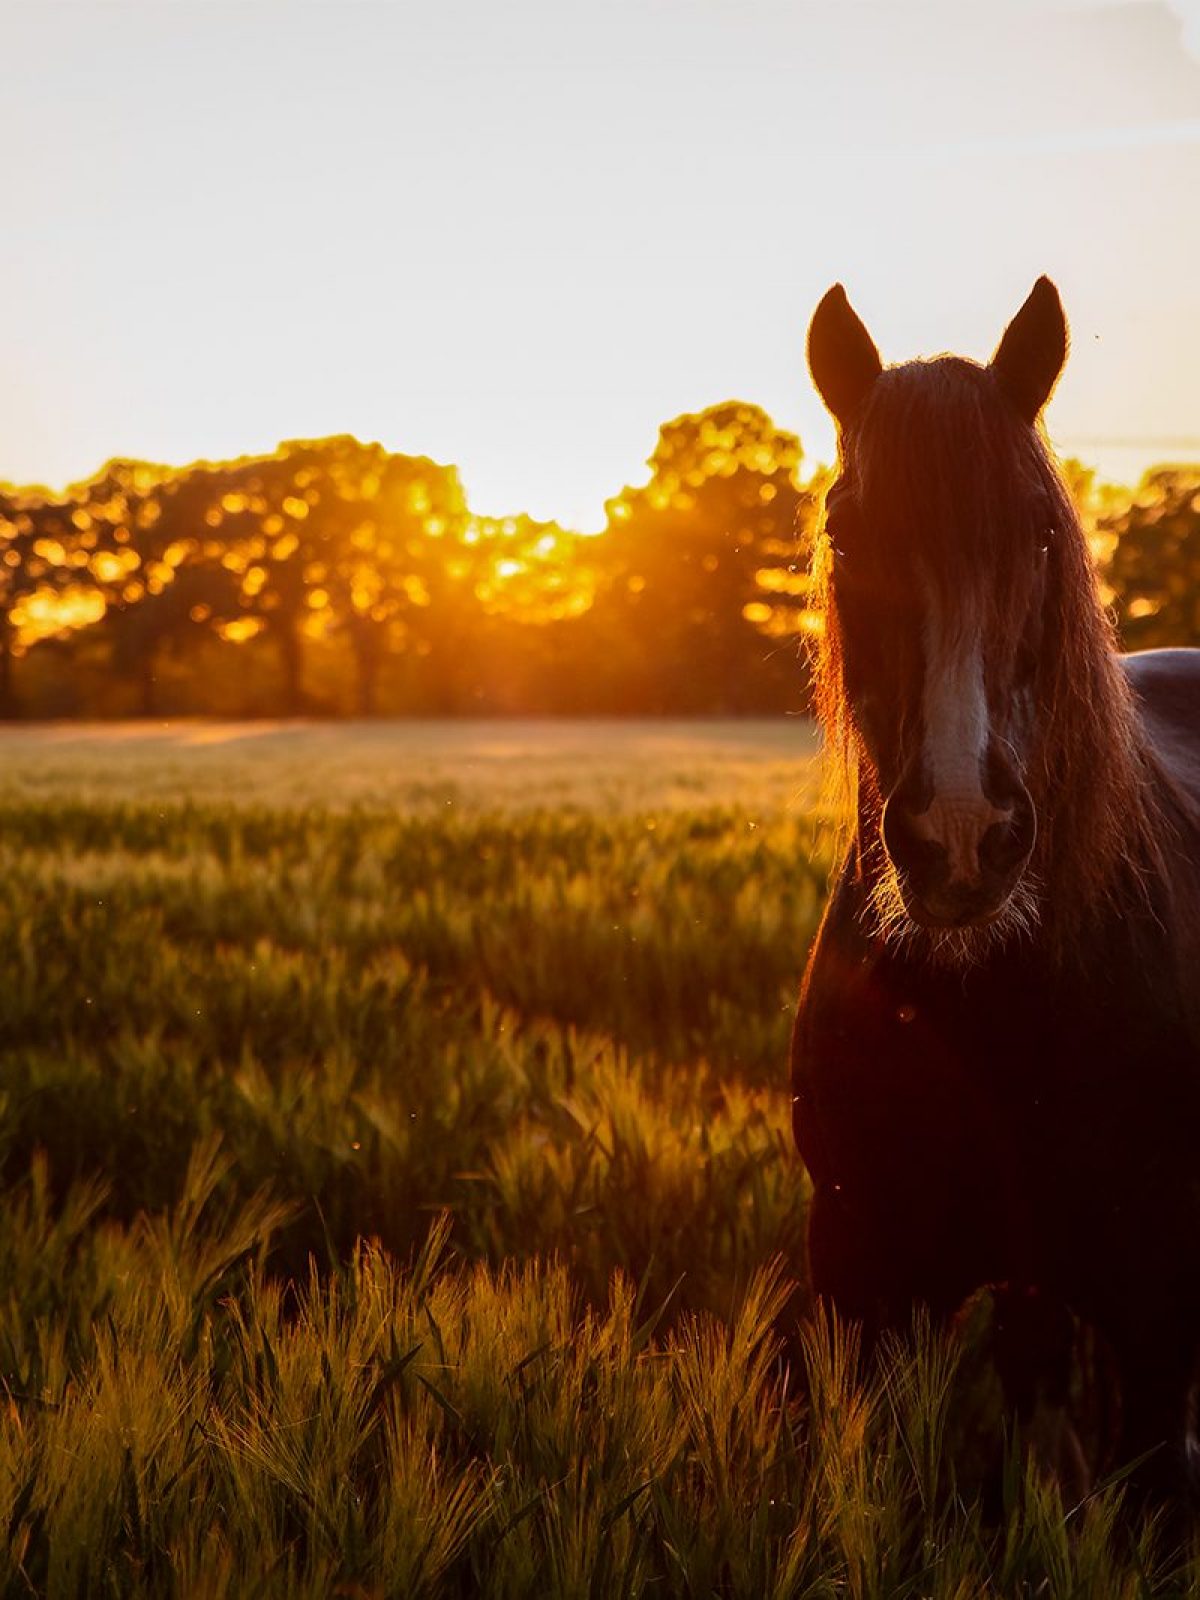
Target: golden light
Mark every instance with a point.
(48, 612)
(107, 567)
(782, 580)
(240, 629)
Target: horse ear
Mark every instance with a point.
(1031, 355)
(842, 356)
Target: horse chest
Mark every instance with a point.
(1023, 1123)
(888, 1075)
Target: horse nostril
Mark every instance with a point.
(910, 847)
(1006, 844)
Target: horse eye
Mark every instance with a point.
(1046, 539)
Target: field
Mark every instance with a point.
(398, 1190)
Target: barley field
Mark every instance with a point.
(398, 1196)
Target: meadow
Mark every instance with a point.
(398, 1195)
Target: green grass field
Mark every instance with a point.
(398, 1190)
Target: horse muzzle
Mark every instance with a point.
(959, 858)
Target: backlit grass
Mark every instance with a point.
(399, 1197)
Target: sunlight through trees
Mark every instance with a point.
(335, 577)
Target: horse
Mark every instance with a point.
(996, 1055)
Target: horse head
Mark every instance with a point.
(948, 544)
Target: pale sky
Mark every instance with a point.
(519, 234)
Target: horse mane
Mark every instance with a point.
(939, 435)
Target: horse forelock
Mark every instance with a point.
(966, 493)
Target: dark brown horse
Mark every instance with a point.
(996, 1063)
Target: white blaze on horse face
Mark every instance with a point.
(956, 733)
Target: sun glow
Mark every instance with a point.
(550, 299)
(47, 613)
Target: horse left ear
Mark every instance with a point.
(1033, 351)
(842, 356)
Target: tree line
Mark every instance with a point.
(334, 577)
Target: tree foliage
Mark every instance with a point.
(702, 568)
(334, 576)
(1153, 566)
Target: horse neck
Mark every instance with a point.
(1097, 788)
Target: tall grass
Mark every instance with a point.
(180, 1421)
(569, 1032)
(402, 1202)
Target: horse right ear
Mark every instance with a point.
(1030, 356)
(842, 356)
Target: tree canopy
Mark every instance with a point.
(337, 577)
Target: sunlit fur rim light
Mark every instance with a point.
(885, 917)
(1100, 828)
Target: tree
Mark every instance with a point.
(19, 576)
(690, 601)
(1153, 567)
(159, 580)
(333, 536)
(392, 526)
(515, 587)
(46, 589)
(700, 563)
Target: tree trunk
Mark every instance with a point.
(366, 660)
(291, 655)
(8, 704)
(148, 681)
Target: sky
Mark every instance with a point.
(518, 236)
